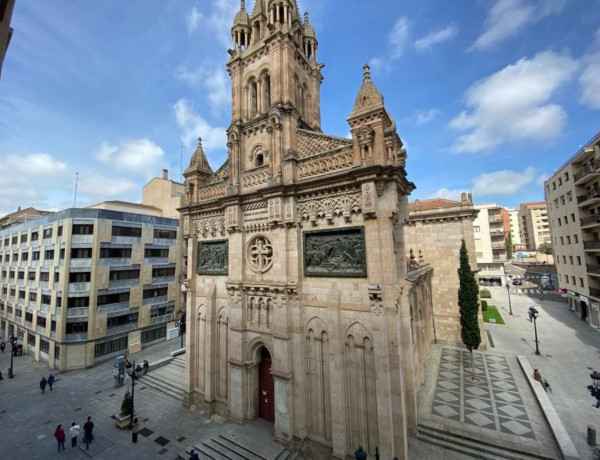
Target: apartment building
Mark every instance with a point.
(490, 228)
(85, 284)
(534, 228)
(515, 230)
(573, 202)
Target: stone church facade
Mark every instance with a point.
(301, 306)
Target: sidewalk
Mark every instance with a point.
(569, 351)
(28, 418)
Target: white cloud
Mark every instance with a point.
(507, 17)
(426, 116)
(214, 80)
(192, 20)
(589, 80)
(29, 180)
(448, 194)
(513, 104)
(397, 39)
(194, 126)
(141, 156)
(504, 182)
(101, 187)
(218, 19)
(438, 36)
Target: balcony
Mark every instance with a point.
(40, 330)
(587, 173)
(500, 245)
(591, 196)
(591, 245)
(113, 307)
(77, 312)
(593, 269)
(594, 292)
(78, 287)
(81, 337)
(120, 329)
(496, 233)
(81, 263)
(590, 221)
(161, 319)
(82, 239)
(155, 300)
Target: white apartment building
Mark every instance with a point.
(534, 228)
(83, 285)
(515, 230)
(490, 230)
(573, 202)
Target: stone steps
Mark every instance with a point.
(224, 447)
(473, 447)
(168, 379)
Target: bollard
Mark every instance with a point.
(591, 435)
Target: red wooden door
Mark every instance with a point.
(266, 388)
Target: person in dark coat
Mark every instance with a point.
(59, 434)
(194, 455)
(88, 435)
(50, 381)
(360, 454)
(2, 346)
(43, 383)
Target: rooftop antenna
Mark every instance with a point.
(75, 197)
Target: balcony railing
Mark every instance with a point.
(593, 269)
(155, 300)
(81, 337)
(590, 220)
(79, 287)
(591, 245)
(586, 170)
(594, 292)
(161, 319)
(589, 195)
(77, 312)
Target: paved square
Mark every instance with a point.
(494, 402)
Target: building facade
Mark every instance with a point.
(515, 232)
(535, 229)
(83, 285)
(302, 309)
(573, 201)
(490, 228)
(433, 237)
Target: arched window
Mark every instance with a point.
(267, 91)
(259, 159)
(253, 98)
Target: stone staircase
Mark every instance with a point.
(477, 448)
(168, 378)
(225, 447)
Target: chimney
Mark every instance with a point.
(165, 174)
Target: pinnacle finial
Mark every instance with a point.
(200, 139)
(367, 71)
(243, 4)
(306, 16)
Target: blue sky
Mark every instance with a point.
(489, 96)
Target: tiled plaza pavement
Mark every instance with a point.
(499, 409)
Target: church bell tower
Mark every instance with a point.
(275, 86)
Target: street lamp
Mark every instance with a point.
(508, 292)
(595, 387)
(131, 372)
(13, 351)
(533, 315)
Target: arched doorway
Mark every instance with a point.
(266, 387)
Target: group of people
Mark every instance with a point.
(88, 435)
(47, 381)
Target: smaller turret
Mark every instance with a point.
(198, 171)
(241, 30)
(310, 40)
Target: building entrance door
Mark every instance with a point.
(266, 387)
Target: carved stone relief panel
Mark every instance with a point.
(289, 212)
(232, 216)
(275, 210)
(186, 225)
(213, 257)
(369, 198)
(336, 252)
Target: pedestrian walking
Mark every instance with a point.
(74, 433)
(59, 434)
(88, 435)
(50, 381)
(2, 346)
(194, 455)
(43, 383)
(1, 378)
(135, 428)
(360, 454)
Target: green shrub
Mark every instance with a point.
(485, 294)
(484, 305)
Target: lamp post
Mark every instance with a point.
(131, 373)
(595, 387)
(533, 314)
(508, 292)
(13, 350)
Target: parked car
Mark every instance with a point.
(516, 280)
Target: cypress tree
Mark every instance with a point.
(468, 305)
